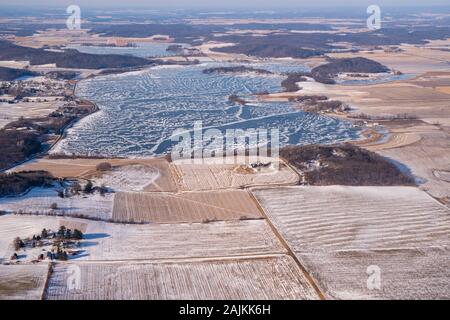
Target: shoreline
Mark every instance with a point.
(61, 136)
(400, 124)
(72, 123)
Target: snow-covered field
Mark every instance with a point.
(404, 273)
(126, 171)
(22, 282)
(276, 277)
(222, 176)
(129, 177)
(163, 241)
(25, 226)
(12, 226)
(431, 153)
(338, 232)
(111, 241)
(39, 200)
(13, 112)
(184, 207)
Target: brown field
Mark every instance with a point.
(22, 282)
(443, 89)
(275, 277)
(400, 97)
(196, 177)
(337, 232)
(85, 168)
(412, 60)
(184, 207)
(395, 140)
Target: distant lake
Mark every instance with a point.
(139, 111)
(140, 49)
(382, 79)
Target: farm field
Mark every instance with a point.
(348, 112)
(25, 226)
(109, 241)
(39, 201)
(13, 112)
(12, 226)
(163, 241)
(393, 98)
(86, 168)
(275, 277)
(222, 176)
(22, 282)
(347, 226)
(431, 154)
(405, 273)
(133, 177)
(412, 59)
(430, 146)
(184, 207)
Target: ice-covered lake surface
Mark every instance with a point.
(139, 111)
(139, 49)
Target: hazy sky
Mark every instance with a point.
(226, 3)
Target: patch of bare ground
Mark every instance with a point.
(22, 282)
(87, 168)
(184, 207)
(276, 277)
(338, 232)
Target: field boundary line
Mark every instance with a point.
(254, 256)
(47, 279)
(294, 169)
(176, 176)
(307, 275)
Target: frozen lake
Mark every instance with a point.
(140, 110)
